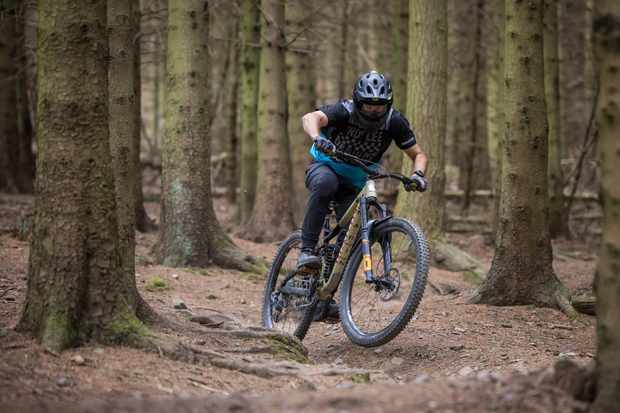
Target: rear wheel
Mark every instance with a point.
(288, 303)
(374, 313)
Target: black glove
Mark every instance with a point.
(324, 145)
(419, 182)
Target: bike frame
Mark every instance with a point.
(356, 217)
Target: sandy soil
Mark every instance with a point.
(444, 354)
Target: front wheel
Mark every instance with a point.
(373, 313)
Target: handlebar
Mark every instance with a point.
(409, 184)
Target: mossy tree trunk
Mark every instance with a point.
(190, 233)
(558, 214)
(250, 55)
(426, 109)
(272, 217)
(521, 271)
(77, 289)
(301, 96)
(9, 131)
(607, 33)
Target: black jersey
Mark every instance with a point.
(370, 143)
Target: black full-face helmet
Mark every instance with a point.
(372, 88)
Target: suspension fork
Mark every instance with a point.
(364, 237)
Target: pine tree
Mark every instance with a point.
(558, 214)
(190, 233)
(272, 215)
(607, 31)
(9, 132)
(250, 55)
(426, 109)
(77, 289)
(521, 272)
(301, 96)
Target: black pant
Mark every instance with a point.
(324, 186)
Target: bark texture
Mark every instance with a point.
(607, 31)
(558, 214)
(426, 109)
(124, 109)
(76, 287)
(331, 85)
(9, 131)
(397, 73)
(250, 55)
(190, 233)
(301, 96)
(223, 32)
(495, 99)
(272, 215)
(465, 133)
(521, 271)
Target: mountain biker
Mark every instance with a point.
(364, 126)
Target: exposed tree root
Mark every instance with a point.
(229, 256)
(442, 288)
(449, 257)
(584, 303)
(563, 302)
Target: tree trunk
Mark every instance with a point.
(25, 163)
(250, 54)
(558, 214)
(190, 233)
(462, 48)
(76, 287)
(301, 96)
(426, 108)
(397, 72)
(607, 31)
(575, 105)
(142, 221)
(272, 215)
(476, 154)
(9, 132)
(495, 101)
(521, 271)
(331, 62)
(124, 116)
(223, 50)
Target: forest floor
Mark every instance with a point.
(453, 357)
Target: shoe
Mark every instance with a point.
(309, 260)
(327, 312)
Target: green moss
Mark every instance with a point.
(472, 277)
(198, 271)
(125, 329)
(58, 332)
(361, 378)
(157, 284)
(288, 350)
(212, 297)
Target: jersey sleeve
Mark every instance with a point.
(401, 132)
(337, 114)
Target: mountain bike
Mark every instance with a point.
(380, 262)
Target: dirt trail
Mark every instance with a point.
(473, 345)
